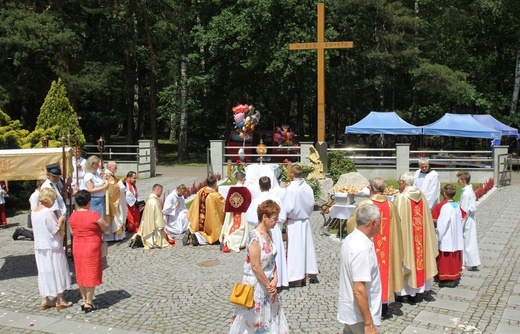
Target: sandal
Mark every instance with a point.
(45, 306)
(89, 309)
(62, 305)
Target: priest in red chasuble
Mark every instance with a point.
(206, 215)
(388, 244)
(419, 238)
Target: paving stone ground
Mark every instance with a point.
(185, 289)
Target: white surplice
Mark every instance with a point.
(429, 184)
(449, 228)
(468, 203)
(301, 255)
(174, 210)
(276, 233)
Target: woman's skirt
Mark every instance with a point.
(53, 271)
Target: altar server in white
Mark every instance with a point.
(427, 180)
(276, 232)
(468, 205)
(174, 211)
(299, 204)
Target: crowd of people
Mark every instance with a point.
(395, 250)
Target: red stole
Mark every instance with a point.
(382, 245)
(418, 240)
(134, 215)
(237, 221)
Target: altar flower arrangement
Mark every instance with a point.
(245, 117)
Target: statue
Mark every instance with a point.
(314, 158)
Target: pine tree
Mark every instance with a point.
(57, 119)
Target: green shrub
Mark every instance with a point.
(315, 186)
(339, 164)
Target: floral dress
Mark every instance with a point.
(264, 317)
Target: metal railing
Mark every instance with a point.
(119, 153)
(291, 153)
(505, 166)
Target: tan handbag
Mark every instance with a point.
(242, 295)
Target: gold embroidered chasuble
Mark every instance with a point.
(419, 238)
(112, 198)
(388, 246)
(206, 214)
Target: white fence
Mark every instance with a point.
(388, 163)
(138, 158)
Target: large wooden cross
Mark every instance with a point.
(320, 46)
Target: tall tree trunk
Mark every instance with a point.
(183, 126)
(415, 107)
(516, 88)
(151, 76)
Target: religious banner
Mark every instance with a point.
(29, 164)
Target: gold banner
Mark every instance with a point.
(29, 164)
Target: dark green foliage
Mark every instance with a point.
(315, 186)
(57, 119)
(339, 164)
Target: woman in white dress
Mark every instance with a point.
(267, 315)
(53, 269)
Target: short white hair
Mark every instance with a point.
(424, 160)
(407, 178)
(367, 213)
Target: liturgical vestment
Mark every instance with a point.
(152, 224)
(388, 245)
(419, 241)
(206, 214)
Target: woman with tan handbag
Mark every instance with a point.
(266, 315)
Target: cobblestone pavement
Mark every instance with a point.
(185, 289)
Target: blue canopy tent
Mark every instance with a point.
(386, 123)
(495, 124)
(460, 125)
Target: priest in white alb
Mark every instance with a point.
(301, 255)
(175, 212)
(427, 181)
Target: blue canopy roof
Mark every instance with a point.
(460, 125)
(388, 123)
(493, 123)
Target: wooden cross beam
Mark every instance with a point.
(320, 46)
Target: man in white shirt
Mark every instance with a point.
(54, 182)
(79, 164)
(427, 180)
(359, 307)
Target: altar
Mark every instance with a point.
(255, 171)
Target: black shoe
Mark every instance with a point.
(447, 284)
(474, 268)
(17, 233)
(313, 279)
(194, 240)
(186, 238)
(384, 310)
(413, 300)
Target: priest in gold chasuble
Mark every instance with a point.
(419, 238)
